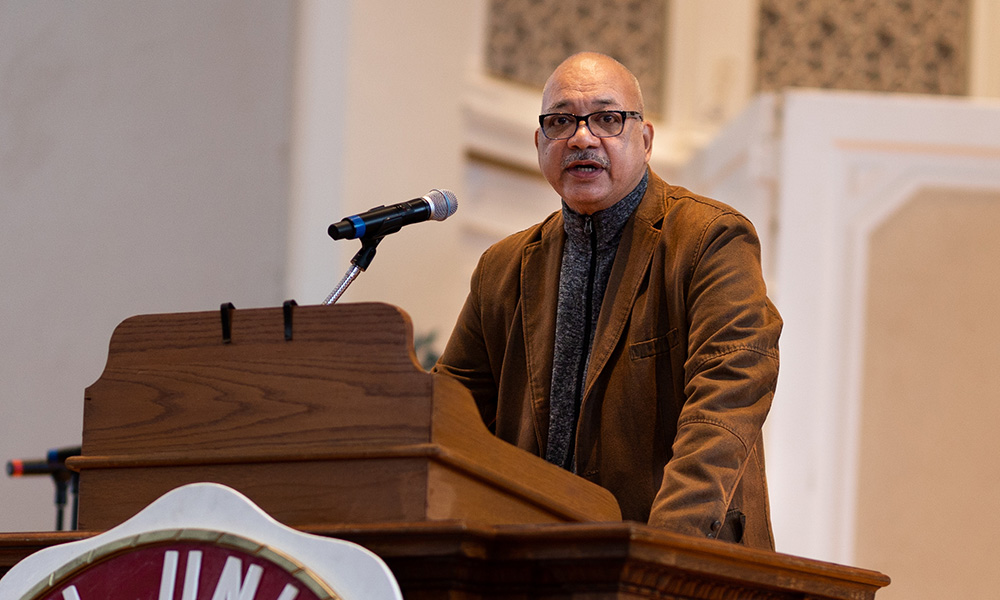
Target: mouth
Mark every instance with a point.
(586, 168)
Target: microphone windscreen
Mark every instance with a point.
(443, 204)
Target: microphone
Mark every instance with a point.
(383, 220)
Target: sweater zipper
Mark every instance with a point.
(588, 228)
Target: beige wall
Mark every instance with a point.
(143, 168)
(169, 157)
(928, 477)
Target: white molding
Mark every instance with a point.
(500, 120)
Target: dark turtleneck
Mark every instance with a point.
(591, 244)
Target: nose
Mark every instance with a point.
(582, 137)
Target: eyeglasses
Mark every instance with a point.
(603, 123)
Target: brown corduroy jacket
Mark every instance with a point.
(681, 374)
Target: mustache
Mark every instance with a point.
(586, 155)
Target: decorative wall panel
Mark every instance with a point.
(527, 39)
(820, 177)
(928, 395)
(875, 45)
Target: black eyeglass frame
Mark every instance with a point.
(624, 114)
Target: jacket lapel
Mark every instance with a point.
(638, 241)
(540, 266)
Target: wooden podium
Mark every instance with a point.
(318, 414)
(322, 417)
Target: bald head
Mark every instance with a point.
(593, 67)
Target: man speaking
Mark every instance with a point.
(627, 338)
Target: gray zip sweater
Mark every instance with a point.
(591, 245)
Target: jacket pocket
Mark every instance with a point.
(654, 346)
(736, 523)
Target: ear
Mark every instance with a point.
(537, 132)
(647, 138)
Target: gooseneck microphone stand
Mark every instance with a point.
(359, 263)
(369, 241)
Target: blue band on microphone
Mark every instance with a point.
(359, 225)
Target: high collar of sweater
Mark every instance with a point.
(607, 223)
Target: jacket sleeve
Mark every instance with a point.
(729, 379)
